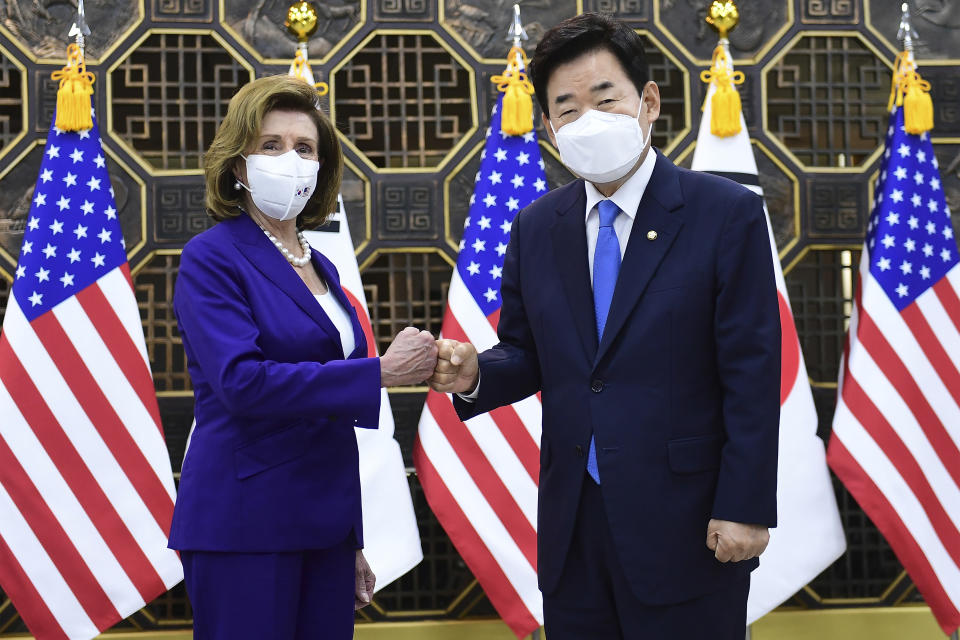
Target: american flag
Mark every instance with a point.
(481, 477)
(86, 489)
(897, 426)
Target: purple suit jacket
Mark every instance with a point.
(272, 464)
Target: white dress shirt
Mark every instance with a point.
(340, 319)
(627, 197)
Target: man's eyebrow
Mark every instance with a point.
(603, 86)
(606, 84)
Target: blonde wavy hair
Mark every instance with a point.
(241, 127)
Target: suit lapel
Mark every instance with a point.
(254, 245)
(643, 255)
(570, 254)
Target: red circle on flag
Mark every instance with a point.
(789, 350)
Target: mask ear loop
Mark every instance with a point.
(647, 139)
(237, 185)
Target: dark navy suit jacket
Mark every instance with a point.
(682, 392)
(272, 464)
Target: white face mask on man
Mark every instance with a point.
(281, 185)
(601, 147)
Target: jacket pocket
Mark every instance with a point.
(271, 450)
(693, 455)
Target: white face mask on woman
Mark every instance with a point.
(281, 185)
(601, 147)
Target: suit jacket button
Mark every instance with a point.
(579, 451)
(596, 386)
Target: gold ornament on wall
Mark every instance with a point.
(301, 20)
(723, 15)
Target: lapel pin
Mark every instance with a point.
(651, 235)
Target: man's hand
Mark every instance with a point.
(457, 368)
(364, 582)
(734, 542)
(410, 358)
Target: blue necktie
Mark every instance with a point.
(606, 266)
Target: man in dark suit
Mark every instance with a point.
(641, 301)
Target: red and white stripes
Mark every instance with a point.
(481, 478)
(86, 489)
(896, 434)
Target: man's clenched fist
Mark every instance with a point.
(457, 368)
(735, 542)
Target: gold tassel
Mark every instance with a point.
(725, 106)
(516, 116)
(301, 69)
(913, 93)
(73, 96)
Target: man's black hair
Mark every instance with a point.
(581, 34)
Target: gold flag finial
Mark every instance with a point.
(723, 16)
(301, 20)
(516, 115)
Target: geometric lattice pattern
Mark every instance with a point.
(170, 94)
(153, 285)
(404, 290)
(403, 100)
(11, 101)
(670, 79)
(827, 96)
(821, 295)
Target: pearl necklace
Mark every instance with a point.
(292, 259)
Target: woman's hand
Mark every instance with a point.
(364, 582)
(410, 358)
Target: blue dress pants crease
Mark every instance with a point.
(593, 599)
(296, 595)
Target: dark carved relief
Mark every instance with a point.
(170, 94)
(46, 98)
(828, 96)
(685, 19)
(182, 10)
(406, 209)
(260, 24)
(42, 25)
(830, 11)
(179, 210)
(838, 207)
(937, 23)
(483, 23)
(629, 10)
(16, 196)
(403, 100)
(404, 10)
(945, 93)
(948, 155)
(778, 192)
(11, 108)
(354, 195)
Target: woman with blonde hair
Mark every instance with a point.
(268, 518)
